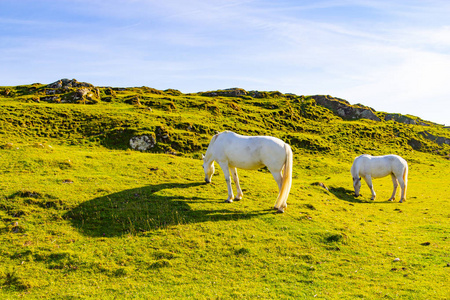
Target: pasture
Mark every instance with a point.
(84, 219)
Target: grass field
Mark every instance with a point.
(83, 216)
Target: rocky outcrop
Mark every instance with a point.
(238, 92)
(67, 83)
(437, 139)
(344, 109)
(418, 145)
(405, 119)
(233, 92)
(71, 91)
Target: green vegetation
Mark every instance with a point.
(84, 216)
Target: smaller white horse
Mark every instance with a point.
(368, 167)
(231, 151)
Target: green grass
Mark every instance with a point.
(82, 216)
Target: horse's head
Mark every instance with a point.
(208, 167)
(357, 185)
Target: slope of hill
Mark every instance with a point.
(85, 216)
(184, 122)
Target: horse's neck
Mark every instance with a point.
(355, 169)
(209, 155)
(210, 152)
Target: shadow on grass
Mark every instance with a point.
(349, 196)
(146, 209)
(346, 195)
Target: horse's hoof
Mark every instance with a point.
(280, 211)
(229, 200)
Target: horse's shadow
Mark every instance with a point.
(349, 196)
(346, 195)
(145, 209)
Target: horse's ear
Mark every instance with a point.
(203, 156)
(359, 178)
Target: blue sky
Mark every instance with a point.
(391, 55)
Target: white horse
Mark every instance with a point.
(231, 151)
(368, 167)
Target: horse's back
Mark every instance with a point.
(390, 159)
(237, 141)
(250, 152)
(380, 166)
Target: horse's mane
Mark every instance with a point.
(214, 138)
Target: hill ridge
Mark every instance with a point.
(183, 123)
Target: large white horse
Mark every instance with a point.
(231, 151)
(368, 167)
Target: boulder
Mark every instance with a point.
(142, 142)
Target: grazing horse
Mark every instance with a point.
(231, 151)
(368, 167)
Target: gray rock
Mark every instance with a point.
(344, 109)
(67, 83)
(142, 142)
(437, 139)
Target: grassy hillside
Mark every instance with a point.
(85, 216)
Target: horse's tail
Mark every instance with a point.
(287, 179)
(405, 180)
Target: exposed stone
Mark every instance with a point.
(258, 94)
(405, 119)
(233, 92)
(82, 95)
(49, 99)
(71, 91)
(344, 109)
(142, 142)
(437, 139)
(62, 83)
(162, 133)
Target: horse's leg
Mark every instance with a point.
(226, 173)
(368, 180)
(403, 188)
(279, 179)
(239, 193)
(395, 182)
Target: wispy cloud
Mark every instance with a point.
(380, 53)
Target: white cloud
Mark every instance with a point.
(379, 53)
